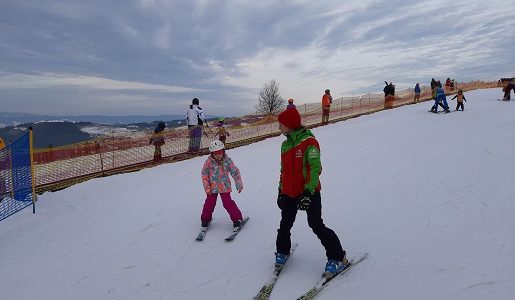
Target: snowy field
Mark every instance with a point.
(430, 197)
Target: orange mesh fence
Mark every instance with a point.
(62, 166)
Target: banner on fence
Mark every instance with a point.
(17, 189)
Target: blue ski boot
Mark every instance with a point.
(280, 260)
(334, 267)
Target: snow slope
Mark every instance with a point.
(430, 197)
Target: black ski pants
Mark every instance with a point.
(458, 105)
(327, 237)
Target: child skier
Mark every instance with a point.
(215, 178)
(290, 104)
(416, 98)
(299, 189)
(459, 98)
(157, 139)
(222, 130)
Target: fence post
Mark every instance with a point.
(99, 151)
(112, 152)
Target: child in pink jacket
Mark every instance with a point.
(215, 177)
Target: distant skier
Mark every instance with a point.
(459, 99)
(157, 139)
(389, 95)
(299, 188)
(507, 87)
(222, 132)
(448, 85)
(215, 178)
(416, 90)
(440, 99)
(195, 120)
(327, 100)
(290, 104)
(433, 84)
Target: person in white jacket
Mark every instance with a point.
(195, 120)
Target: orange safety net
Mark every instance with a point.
(61, 166)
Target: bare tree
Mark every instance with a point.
(269, 100)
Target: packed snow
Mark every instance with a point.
(430, 196)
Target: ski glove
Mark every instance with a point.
(280, 200)
(305, 200)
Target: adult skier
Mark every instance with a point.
(299, 189)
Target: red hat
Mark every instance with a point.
(290, 118)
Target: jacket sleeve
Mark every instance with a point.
(280, 177)
(205, 176)
(312, 156)
(454, 97)
(235, 173)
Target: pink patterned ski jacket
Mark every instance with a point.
(215, 175)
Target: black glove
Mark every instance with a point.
(304, 200)
(280, 200)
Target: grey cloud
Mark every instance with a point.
(197, 44)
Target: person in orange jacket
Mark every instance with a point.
(459, 98)
(327, 100)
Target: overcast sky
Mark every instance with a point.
(72, 57)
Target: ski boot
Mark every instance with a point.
(280, 260)
(334, 267)
(236, 225)
(204, 225)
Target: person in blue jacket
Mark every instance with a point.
(417, 93)
(440, 99)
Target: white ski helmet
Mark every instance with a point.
(216, 145)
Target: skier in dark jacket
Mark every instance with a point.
(299, 189)
(507, 90)
(416, 98)
(433, 84)
(389, 95)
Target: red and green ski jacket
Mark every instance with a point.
(300, 163)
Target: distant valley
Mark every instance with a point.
(53, 131)
(14, 119)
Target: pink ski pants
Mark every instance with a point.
(228, 203)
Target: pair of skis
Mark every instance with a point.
(231, 237)
(266, 289)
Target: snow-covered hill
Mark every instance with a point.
(430, 197)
